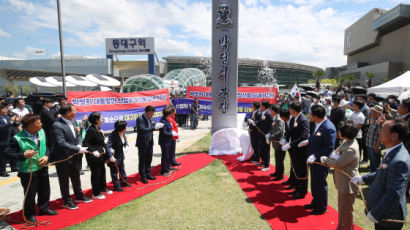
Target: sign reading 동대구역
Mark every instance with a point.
(129, 46)
(224, 64)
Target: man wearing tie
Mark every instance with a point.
(386, 198)
(145, 142)
(265, 125)
(253, 132)
(321, 143)
(68, 142)
(298, 132)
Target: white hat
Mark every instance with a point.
(343, 103)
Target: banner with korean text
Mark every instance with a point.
(118, 106)
(245, 94)
(183, 106)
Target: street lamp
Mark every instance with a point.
(61, 47)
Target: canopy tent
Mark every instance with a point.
(395, 86)
(41, 81)
(102, 80)
(79, 80)
(58, 81)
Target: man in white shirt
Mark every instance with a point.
(358, 119)
(20, 109)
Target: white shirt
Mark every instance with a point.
(358, 119)
(70, 124)
(390, 149)
(318, 125)
(21, 112)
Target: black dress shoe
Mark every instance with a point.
(48, 212)
(176, 164)
(149, 177)
(31, 219)
(290, 187)
(125, 185)
(118, 189)
(70, 205)
(5, 175)
(273, 174)
(309, 207)
(298, 196)
(277, 179)
(318, 212)
(286, 182)
(83, 199)
(144, 180)
(259, 164)
(293, 193)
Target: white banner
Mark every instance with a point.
(129, 46)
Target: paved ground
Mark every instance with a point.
(12, 192)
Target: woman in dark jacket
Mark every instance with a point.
(116, 148)
(94, 140)
(165, 141)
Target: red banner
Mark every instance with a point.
(245, 94)
(88, 101)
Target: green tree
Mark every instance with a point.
(348, 78)
(318, 74)
(15, 90)
(370, 77)
(26, 90)
(386, 80)
(7, 89)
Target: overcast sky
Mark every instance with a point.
(301, 31)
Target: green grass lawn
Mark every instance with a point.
(207, 199)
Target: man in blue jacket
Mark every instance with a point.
(321, 143)
(386, 197)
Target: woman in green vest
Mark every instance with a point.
(29, 148)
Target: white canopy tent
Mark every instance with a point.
(395, 86)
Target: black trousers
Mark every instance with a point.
(298, 159)
(114, 172)
(361, 147)
(264, 151)
(69, 170)
(98, 178)
(165, 159)
(382, 227)
(255, 146)
(279, 157)
(145, 160)
(40, 185)
(173, 160)
(365, 130)
(2, 160)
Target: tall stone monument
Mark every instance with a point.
(224, 64)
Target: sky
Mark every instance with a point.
(309, 32)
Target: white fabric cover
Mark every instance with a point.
(231, 141)
(395, 86)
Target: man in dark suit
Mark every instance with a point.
(337, 114)
(68, 142)
(6, 125)
(298, 132)
(253, 132)
(321, 143)
(386, 197)
(47, 118)
(264, 125)
(276, 134)
(145, 142)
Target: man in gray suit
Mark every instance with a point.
(275, 135)
(386, 196)
(67, 142)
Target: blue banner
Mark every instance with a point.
(130, 116)
(183, 106)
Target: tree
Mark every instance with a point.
(318, 74)
(370, 77)
(7, 89)
(26, 90)
(15, 90)
(348, 78)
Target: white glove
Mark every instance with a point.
(82, 150)
(323, 159)
(282, 142)
(286, 147)
(334, 156)
(174, 134)
(159, 125)
(371, 218)
(267, 141)
(112, 159)
(357, 180)
(311, 159)
(125, 150)
(251, 122)
(96, 154)
(303, 143)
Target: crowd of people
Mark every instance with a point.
(32, 139)
(340, 130)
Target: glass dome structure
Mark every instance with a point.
(187, 77)
(143, 82)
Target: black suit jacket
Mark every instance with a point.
(116, 143)
(65, 143)
(265, 122)
(256, 116)
(145, 128)
(94, 140)
(5, 130)
(298, 131)
(47, 118)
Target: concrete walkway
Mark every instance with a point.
(12, 192)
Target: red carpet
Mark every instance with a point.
(274, 203)
(65, 218)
